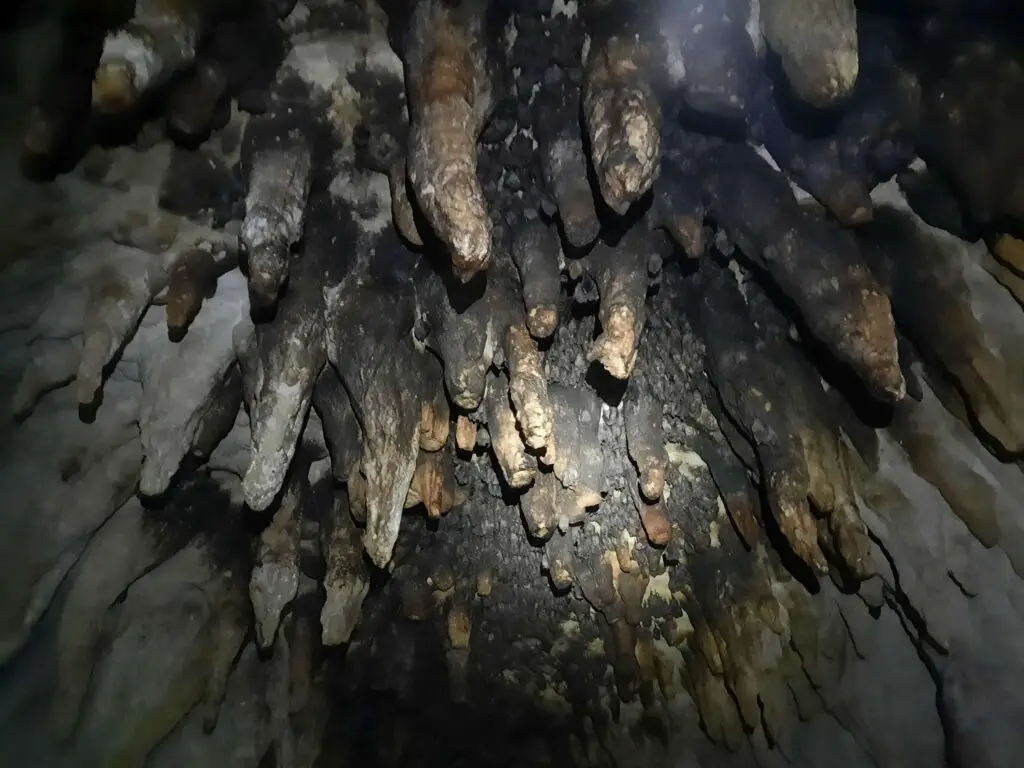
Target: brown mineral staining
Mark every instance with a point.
(449, 101)
(434, 421)
(872, 340)
(688, 232)
(192, 280)
(113, 89)
(851, 541)
(623, 119)
(460, 625)
(789, 502)
(516, 465)
(528, 387)
(159, 40)
(656, 524)
(433, 486)
(621, 275)
(465, 434)
(1010, 251)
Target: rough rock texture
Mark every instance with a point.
(577, 435)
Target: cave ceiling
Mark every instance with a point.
(453, 382)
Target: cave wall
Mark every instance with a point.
(126, 630)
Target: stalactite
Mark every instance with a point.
(450, 68)
(548, 371)
(161, 38)
(816, 41)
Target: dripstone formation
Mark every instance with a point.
(519, 382)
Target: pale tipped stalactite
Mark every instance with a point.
(695, 628)
(559, 559)
(540, 505)
(646, 442)
(450, 71)
(655, 520)
(620, 271)
(517, 466)
(813, 261)
(161, 39)
(536, 255)
(290, 353)
(275, 207)
(816, 41)
(787, 499)
(465, 340)
(622, 117)
(274, 582)
(370, 344)
(563, 158)
(528, 387)
(347, 579)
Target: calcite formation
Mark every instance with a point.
(425, 382)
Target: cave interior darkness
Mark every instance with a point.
(512, 382)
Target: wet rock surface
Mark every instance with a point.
(419, 383)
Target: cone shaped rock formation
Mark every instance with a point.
(588, 382)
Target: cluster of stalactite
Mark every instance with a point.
(606, 279)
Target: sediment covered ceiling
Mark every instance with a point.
(515, 383)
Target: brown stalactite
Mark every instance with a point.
(557, 502)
